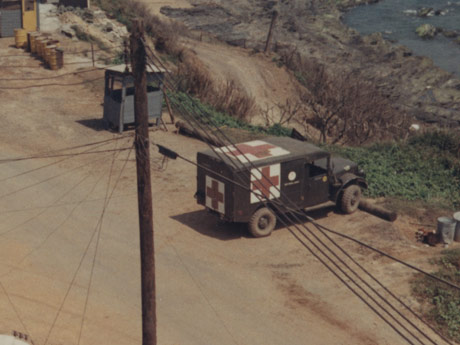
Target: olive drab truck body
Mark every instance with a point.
(275, 173)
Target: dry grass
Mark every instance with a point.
(228, 97)
(345, 108)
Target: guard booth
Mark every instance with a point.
(119, 96)
(17, 14)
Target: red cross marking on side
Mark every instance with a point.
(214, 194)
(260, 151)
(263, 185)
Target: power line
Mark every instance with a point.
(10, 301)
(76, 271)
(84, 51)
(106, 203)
(51, 178)
(9, 160)
(55, 76)
(47, 153)
(354, 272)
(45, 209)
(55, 202)
(58, 227)
(352, 289)
(61, 205)
(96, 144)
(42, 65)
(162, 148)
(51, 84)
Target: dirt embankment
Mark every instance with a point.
(314, 29)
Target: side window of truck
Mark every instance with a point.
(315, 170)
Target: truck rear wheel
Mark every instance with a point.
(262, 222)
(350, 199)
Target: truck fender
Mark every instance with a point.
(348, 179)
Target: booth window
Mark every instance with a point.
(29, 5)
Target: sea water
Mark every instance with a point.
(397, 20)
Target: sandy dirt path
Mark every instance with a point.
(215, 284)
(155, 5)
(256, 74)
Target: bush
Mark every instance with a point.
(421, 169)
(448, 141)
(344, 107)
(441, 302)
(228, 98)
(211, 116)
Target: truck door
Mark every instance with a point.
(291, 181)
(316, 186)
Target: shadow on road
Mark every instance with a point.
(95, 124)
(209, 225)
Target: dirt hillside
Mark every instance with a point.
(256, 74)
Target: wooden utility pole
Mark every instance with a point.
(270, 31)
(144, 189)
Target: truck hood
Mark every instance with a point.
(341, 165)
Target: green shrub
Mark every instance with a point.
(424, 168)
(448, 141)
(441, 302)
(209, 115)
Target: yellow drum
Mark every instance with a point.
(41, 48)
(38, 45)
(20, 38)
(54, 42)
(33, 36)
(56, 58)
(59, 57)
(49, 51)
(30, 36)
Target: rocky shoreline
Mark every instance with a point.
(314, 29)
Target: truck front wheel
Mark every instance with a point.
(350, 199)
(262, 222)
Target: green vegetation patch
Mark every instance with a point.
(440, 302)
(426, 167)
(210, 116)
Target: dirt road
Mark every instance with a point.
(215, 284)
(256, 74)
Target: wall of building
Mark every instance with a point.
(9, 20)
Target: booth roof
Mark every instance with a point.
(121, 69)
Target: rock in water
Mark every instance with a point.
(425, 12)
(450, 33)
(426, 31)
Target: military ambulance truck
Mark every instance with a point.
(253, 181)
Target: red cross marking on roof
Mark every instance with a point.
(214, 194)
(263, 185)
(260, 151)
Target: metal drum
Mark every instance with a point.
(446, 229)
(33, 36)
(59, 54)
(38, 45)
(20, 38)
(49, 52)
(457, 228)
